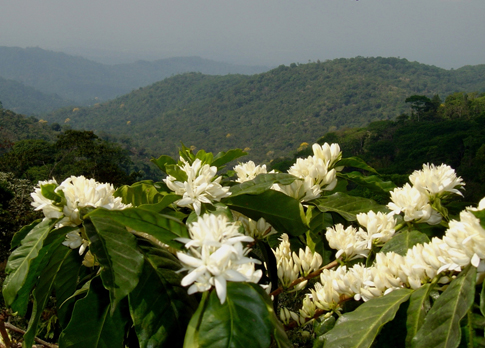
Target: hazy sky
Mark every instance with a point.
(445, 33)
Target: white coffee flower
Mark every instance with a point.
(47, 206)
(248, 171)
(202, 186)
(380, 226)
(414, 204)
(317, 170)
(81, 192)
(216, 255)
(436, 181)
(256, 229)
(330, 154)
(348, 241)
(303, 190)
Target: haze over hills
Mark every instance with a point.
(85, 81)
(269, 113)
(24, 99)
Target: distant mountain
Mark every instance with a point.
(85, 81)
(270, 113)
(23, 99)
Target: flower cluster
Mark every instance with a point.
(256, 229)
(215, 255)
(462, 244)
(353, 243)
(317, 173)
(291, 265)
(429, 184)
(73, 194)
(248, 171)
(201, 185)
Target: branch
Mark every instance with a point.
(36, 339)
(302, 279)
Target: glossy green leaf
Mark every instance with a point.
(44, 289)
(467, 331)
(419, 305)
(402, 241)
(138, 194)
(51, 242)
(372, 182)
(359, 328)
(17, 237)
(65, 285)
(245, 319)
(92, 325)
(284, 213)
(225, 157)
(159, 305)
(441, 327)
(321, 327)
(162, 161)
(116, 251)
(346, 206)
(355, 162)
(19, 261)
(261, 183)
(163, 227)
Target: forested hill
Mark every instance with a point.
(273, 112)
(82, 80)
(23, 99)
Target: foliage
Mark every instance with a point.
(88, 82)
(271, 113)
(118, 262)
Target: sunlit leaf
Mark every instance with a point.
(17, 237)
(19, 261)
(347, 206)
(261, 183)
(355, 162)
(225, 157)
(441, 327)
(359, 328)
(401, 242)
(163, 228)
(284, 213)
(162, 161)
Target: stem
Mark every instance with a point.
(4, 332)
(302, 279)
(36, 339)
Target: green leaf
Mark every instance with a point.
(346, 206)
(139, 193)
(419, 305)
(467, 331)
(284, 213)
(44, 289)
(116, 251)
(402, 241)
(441, 327)
(245, 319)
(162, 204)
(359, 328)
(163, 227)
(225, 157)
(92, 325)
(162, 161)
(175, 171)
(65, 285)
(51, 242)
(17, 237)
(159, 305)
(355, 162)
(205, 157)
(261, 183)
(372, 182)
(19, 261)
(482, 299)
